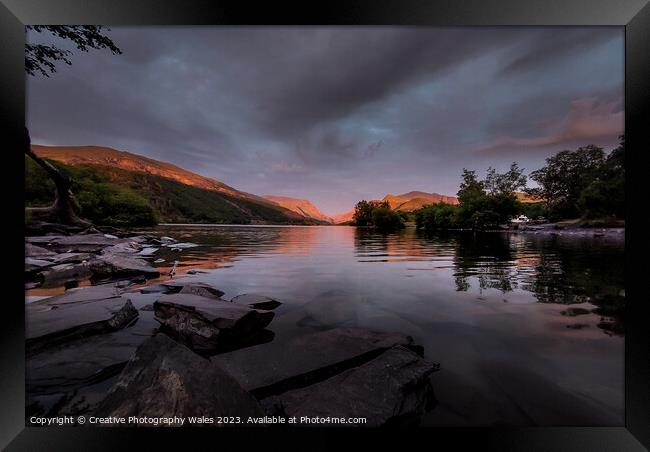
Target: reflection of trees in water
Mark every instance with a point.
(486, 257)
(576, 270)
(556, 269)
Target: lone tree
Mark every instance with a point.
(41, 59)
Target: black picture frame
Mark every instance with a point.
(634, 15)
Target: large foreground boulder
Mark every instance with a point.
(166, 379)
(393, 388)
(52, 322)
(280, 366)
(207, 324)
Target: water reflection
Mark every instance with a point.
(502, 313)
(555, 269)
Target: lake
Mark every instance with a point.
(508, 316)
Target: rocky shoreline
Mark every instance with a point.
(177, 348)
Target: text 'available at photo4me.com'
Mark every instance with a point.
(179, 421)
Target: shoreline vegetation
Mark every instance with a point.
(581, 189)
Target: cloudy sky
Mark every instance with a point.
(337, 114)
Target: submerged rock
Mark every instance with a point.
(58, 320)
(206, 324)
(180, 246)
(393, 388)
(166, 379)
(279, 366)
(256, 301)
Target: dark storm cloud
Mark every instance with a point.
(550, 46)
(332, 113)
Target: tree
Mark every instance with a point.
(507, 183)
(386, 219)
(363, 211)
(436, 216)
(565, 176)
(42, 58)
(605, 195)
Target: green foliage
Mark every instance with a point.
(489, 202)
(111, 205)
(605, 195)
(564, 179)
(377, 214)
(437, 216)
(169, 201)
(42, 57)
(507, 183)
(39, 188)
(534, 210)
(102, 202)
(386, 219)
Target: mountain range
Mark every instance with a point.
(301, 206)
(179, 195)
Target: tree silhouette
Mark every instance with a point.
(41, 59)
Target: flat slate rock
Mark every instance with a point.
(90, 293)
(59, 274)
(166, 379)
(280, 366)
(79, 364)
(52, 323)
(192, 286)
(33, 264)
(256, 301)
(121, 265)
(67, 258)
(37, 251)
(393, 388)
(185, 287)
(75, 243)
(202, 290)
(205, 323)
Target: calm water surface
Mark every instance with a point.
(508, 316)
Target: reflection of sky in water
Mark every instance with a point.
(488, 307)
(491, 308)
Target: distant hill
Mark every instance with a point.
(406, 202)
(413, 200)
(300, 206)
(343, 217)
(177, 195)
(526, 198)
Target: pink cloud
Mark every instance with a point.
(586, 121)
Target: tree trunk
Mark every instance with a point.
(65, 207)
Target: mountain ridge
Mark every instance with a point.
(251, 208)
(301, 206)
